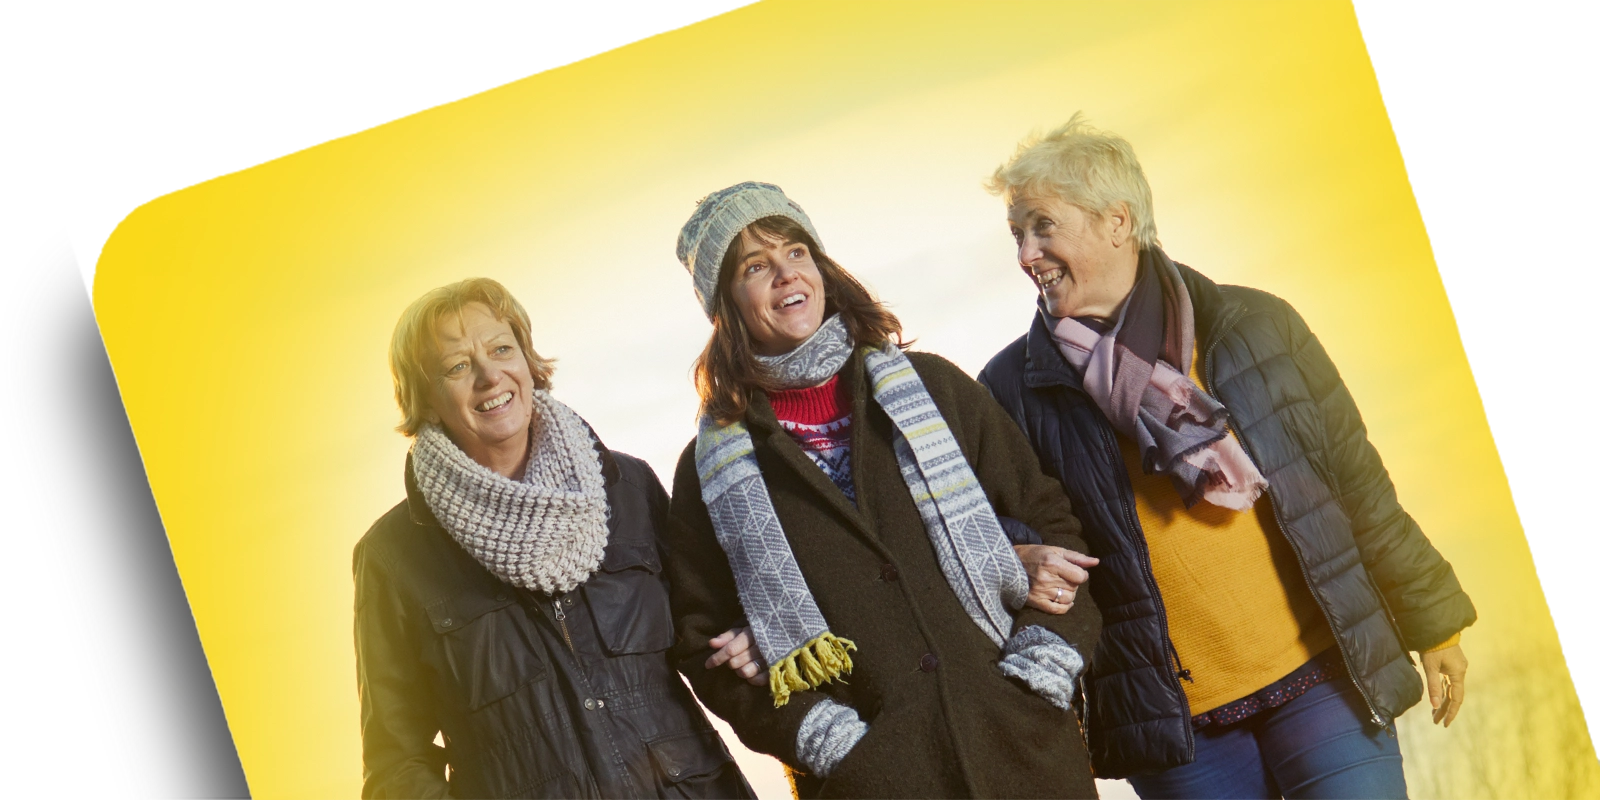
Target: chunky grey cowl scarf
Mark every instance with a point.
(974, 553)
(546, 532)
(1138, 374)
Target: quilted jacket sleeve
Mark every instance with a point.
(1416, 582)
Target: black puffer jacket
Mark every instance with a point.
(537, 696)
(1383, 588)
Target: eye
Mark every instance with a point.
(753, 267)
(503, 350)
(798, 252)
(1016, 234)
(456, 368)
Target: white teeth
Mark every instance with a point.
(496, 402)
(1050, 278)
(791, 300)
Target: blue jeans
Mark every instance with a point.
(1318, 745)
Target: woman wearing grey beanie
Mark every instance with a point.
(844, 499)
(513, 604)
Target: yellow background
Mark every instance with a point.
(247, 318)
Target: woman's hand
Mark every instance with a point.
(737, 648)
(1446, 671)
(1054, 575)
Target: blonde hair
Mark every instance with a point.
(1091, 169)
(416, 338)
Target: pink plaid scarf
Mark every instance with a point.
(1138, 374)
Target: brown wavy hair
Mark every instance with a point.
(727, 369)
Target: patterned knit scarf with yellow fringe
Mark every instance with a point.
(974, 553)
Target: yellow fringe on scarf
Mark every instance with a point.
(816, 662)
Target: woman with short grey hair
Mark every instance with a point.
(1270, 585)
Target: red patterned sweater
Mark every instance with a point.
(818, 419)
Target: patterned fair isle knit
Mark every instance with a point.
(818, 418)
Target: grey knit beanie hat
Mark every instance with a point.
(717, 221)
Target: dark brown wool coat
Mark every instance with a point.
(944, 722)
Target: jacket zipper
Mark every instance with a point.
(561, 621)
(1174, 672)
(1377, 719)
(582, 679)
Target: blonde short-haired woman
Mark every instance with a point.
(1269, 586)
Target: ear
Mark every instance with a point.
(432, 417)
(1119, 223)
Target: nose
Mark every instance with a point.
(487, 374)
(1028, 251)
(783, 273)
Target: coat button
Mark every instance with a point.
(673, 771)
(600, 703)
(889, 572)
(500, 598)
(589, 704)
(929, 663)
(446, 622)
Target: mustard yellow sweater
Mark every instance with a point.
(1239, 611)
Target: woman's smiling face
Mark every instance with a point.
(777, 289)
(1082, 264)
(482, 390)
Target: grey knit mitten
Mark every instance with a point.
(1045, 662)
(827, 734)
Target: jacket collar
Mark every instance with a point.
(1215, 308)
(1044, 365)
(1215, 311)
(417, 507)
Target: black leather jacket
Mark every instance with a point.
(536, 696)
(1382, 586)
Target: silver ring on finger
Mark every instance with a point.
(1057, 598)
